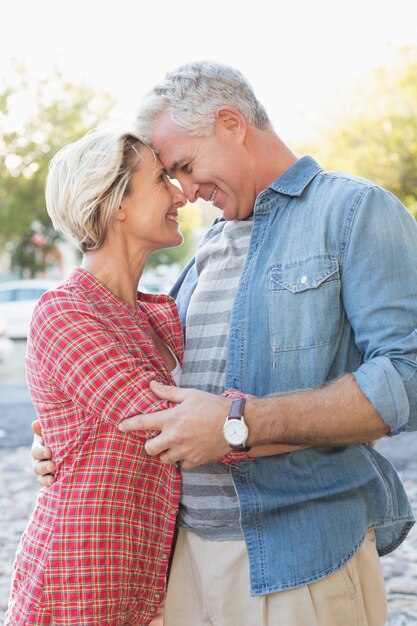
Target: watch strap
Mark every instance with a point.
(236, 410)
(236, 413)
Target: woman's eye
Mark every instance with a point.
(186, 169)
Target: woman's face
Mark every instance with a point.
(151, 207)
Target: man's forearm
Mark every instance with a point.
(335, 414)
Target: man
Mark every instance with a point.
(303, 298)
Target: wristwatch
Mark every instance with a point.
(235, 430)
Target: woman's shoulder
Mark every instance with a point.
(61, 306)
(67, 296)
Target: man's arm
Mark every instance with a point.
(336, 414)
(43, 465)
(333, 415)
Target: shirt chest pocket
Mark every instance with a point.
(304, 307)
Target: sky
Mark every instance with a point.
(303, 57)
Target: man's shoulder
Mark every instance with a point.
(348, 178)
(345, 191)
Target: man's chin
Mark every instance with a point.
(229, 214)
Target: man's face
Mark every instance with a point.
(215, 168)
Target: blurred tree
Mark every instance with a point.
(374, 133)
(37, 117)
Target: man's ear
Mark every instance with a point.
(232, 121)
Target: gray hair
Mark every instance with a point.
(86, 182)
(193, 93)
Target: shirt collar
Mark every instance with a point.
(297, 177)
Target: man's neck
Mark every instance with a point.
(272, 157)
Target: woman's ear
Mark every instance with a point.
(120, 214)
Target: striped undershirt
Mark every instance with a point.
(209, 505)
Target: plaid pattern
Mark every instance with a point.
(97, 547)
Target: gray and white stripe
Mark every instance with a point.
(209, 504)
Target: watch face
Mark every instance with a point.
(235, 432)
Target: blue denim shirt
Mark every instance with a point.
(329, 286)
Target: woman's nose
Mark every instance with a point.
(179, 196)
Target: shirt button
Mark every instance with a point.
(157, 596)
(303, 280)
(164, 557)
(173, 511)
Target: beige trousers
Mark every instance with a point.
(209, 586)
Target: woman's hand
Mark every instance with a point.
(43, 465)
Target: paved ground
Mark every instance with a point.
(18, 490)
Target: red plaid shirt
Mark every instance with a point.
(96, 549)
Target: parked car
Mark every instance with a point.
(6, 344)
(155, 282)
(17, 301)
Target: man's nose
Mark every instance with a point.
(191, 189)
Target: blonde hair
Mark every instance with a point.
(86, 182)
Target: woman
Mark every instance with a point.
(97, 547)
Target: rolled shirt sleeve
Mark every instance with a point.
(379, 290)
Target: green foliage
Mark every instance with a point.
(374, 134)
(37, 117)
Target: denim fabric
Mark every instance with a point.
(329, 286)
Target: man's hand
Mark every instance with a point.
(191, 432)
(43, 466)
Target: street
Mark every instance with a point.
(18, 489)
(16, 410)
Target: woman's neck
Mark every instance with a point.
(117, 271)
